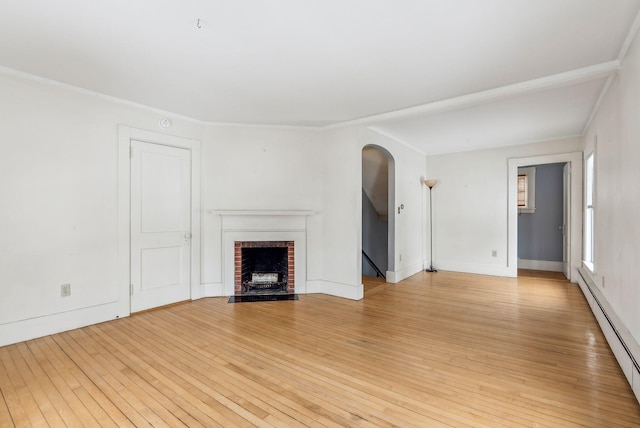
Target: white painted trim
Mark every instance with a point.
(574, 228)
(404, 272)
(337, 289)
(125, 135)
(572, 77)
(55, 83)
(480, 269)
(541, 265)
(265, 126)
(46, 81)
(562, 79)
(630, 36)
(502, 146)
(124, 218)
(31, 328)
(557, 80)
(396, 139)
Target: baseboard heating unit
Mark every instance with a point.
(621, 342)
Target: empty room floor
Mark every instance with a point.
(435, 350)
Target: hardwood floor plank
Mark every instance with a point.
(103, 380)
(6, 419)
(436, 350)
(45, 393)
(27, 412)
(224, 375)
(96, 403)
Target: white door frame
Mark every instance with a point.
(574, 232)
(125, 135)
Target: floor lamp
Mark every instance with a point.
(430, 184)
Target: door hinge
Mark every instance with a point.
(131, 289)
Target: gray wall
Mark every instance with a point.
(374, 238)
(539, 236)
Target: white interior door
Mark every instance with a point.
(160, 225)
(566, 192)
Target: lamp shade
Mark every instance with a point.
(430, 183)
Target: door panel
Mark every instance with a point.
(161, 267)
(160, 225)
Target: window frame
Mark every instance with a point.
(589, 250)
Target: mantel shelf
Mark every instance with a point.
(236, 213)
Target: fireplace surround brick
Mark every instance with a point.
(240, 245)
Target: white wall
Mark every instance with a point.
(470, 205)
(342, 209)
(341, 212)
(59, 192)
(617, 210)
(410, 193)
(252, 168)
(59, 189)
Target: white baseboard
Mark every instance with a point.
(338, 289)
(404, 272)
(213, 289)
(541, 265)
(28, 329)
(479, 269)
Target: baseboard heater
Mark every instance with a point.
(623, 345)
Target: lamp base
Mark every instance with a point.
(431, 269)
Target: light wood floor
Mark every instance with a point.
(439, 349)
(542, 274)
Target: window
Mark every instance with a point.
(589, 213)
(523, 189)
(527, 190)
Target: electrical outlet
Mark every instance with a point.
(65, 290)
(494, 253)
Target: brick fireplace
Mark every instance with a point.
(264, 267)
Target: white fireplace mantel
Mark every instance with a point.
(263, 225)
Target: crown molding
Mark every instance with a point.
(396, 139)
(630, 36)
(606, 69)
(263, 126)
(99, 95)
(57, 84)
(568, 78)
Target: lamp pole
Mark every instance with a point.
(430, 184)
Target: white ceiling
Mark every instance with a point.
(440, 75)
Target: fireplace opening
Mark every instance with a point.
(264, 267)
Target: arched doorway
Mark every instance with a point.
(378, 215)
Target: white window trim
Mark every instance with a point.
(530, 172)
